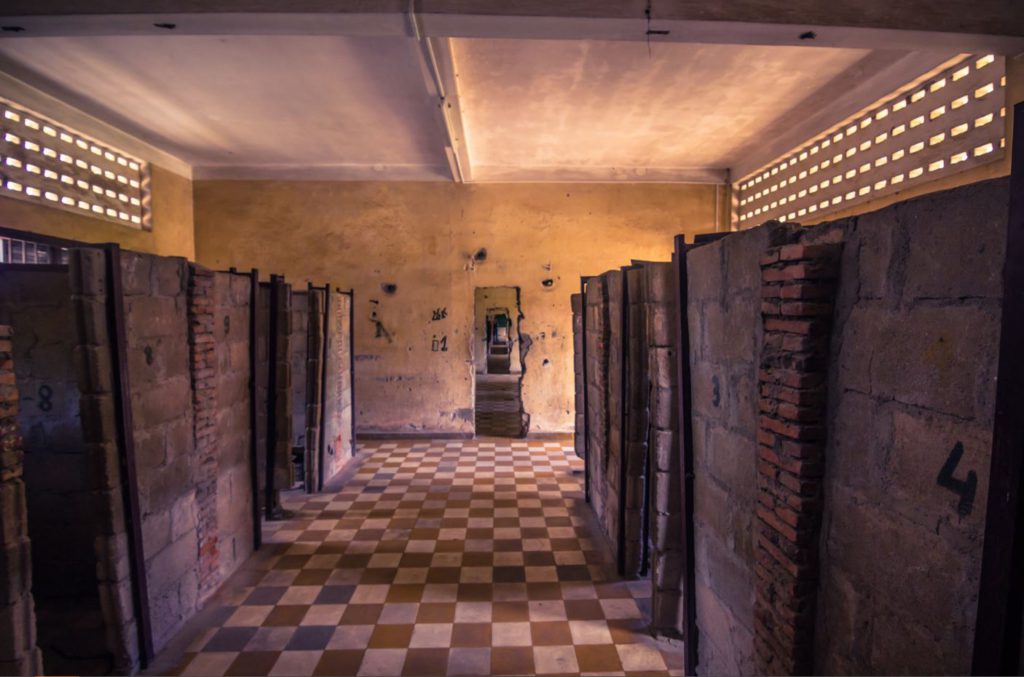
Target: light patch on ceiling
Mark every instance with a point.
(623, 108)
(254, 103)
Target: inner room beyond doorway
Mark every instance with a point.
(498, 363)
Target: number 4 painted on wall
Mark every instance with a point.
(965, 489)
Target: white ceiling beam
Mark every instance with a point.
(445, 25)
(444, 62)
(713, 32)
(438, 70)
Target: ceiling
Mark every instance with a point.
(532, 107)
(357, 107)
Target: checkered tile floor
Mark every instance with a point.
(437, 558)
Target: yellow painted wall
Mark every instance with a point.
(172, 234)
(421, 237)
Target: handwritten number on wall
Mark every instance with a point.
(439, 314)
(439, 345)
(45, 395)
(965, 489)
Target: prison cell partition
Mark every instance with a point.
(1000, 621)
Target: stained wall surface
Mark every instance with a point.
(59, 473)
(173, 232)
(725, 327)
(422, 238)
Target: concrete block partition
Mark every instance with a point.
(60, 485)
(841, 479)
(664, 503)
(185, 354)
(230, 327)
(156, 317)
(298, 345)
(842, 394)
(597, 428)
(724, 318)
(579, 429)
(314, 394)
(19, 654)
(339, 444)
(911, 389)
(635, 408)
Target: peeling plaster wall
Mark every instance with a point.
(173, 233)
(413, 373)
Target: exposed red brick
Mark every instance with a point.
(805, 290)
(791, 432)
(796, 252)
(204, 391)
(792, 326)
(804, 308)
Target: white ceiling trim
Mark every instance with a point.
(710, 32)
(338, 172)
(50, 106)
(566, 174)
(491, 26)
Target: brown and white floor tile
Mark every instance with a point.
(436, 558)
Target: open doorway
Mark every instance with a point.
(498, 363)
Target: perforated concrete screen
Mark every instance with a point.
(44, 162)
(949, 122)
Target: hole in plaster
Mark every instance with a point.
(12, 29)
(809, 35)
(166, 26)
(480, 255)
(548, 282)
(388, 287)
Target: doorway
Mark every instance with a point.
(498, 363)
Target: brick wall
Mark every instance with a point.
(159, 362)
(234, 484)
(662, 430)
(18, 653)
(798, 291)
(205, 430)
